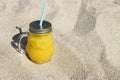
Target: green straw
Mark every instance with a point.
(42, 16)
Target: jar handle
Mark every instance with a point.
(19, 42)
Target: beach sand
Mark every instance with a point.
(87, 39)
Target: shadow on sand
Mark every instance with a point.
(14, 42)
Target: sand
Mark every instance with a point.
(87, 40)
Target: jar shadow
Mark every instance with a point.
(14, 42)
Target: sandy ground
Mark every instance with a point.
(87, 39)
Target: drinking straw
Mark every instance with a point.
(42, 15)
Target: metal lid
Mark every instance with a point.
(35, 28)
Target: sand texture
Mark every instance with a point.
(87, 39)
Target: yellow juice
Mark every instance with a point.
(40, 47)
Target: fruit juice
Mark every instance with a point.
(40, 47)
